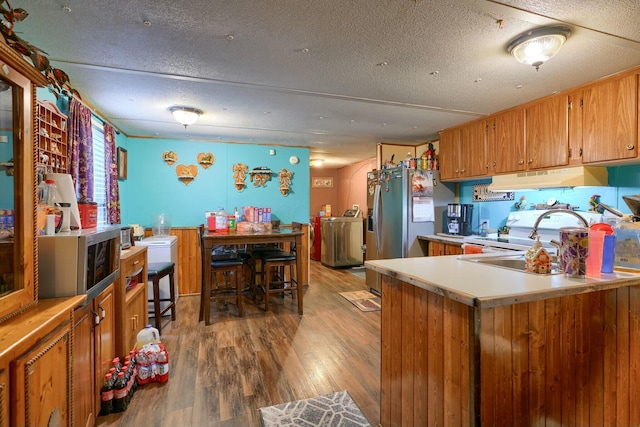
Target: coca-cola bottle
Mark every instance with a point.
(120, 394)
(116, 364)
(106, 395)
(132, 355)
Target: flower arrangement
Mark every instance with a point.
(58, 79)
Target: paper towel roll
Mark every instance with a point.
(67, 194)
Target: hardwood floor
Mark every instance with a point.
(222, 373)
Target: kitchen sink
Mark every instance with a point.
(512, 262)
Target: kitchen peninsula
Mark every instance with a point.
(465, 343)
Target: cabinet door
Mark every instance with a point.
(546, 133)
(508, 141)
(449, 158)
(83, 368)
(610, 120)
(436, 249)
(453, 250)
(135, 315)
(40, 391)
(473, 150)
(104, 335)
(575, 127)
(4, 397)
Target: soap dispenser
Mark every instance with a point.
(537, 259)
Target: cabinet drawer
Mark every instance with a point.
(130, 263)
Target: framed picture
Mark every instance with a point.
(322, 182)
(122, 163)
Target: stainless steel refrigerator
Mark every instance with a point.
(402, 204)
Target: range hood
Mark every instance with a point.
(555, 178)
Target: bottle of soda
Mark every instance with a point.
(106, 395)
(120, 394)
(117, 365)
(132, 355)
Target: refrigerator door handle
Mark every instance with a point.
(377, 223)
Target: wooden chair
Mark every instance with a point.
(225, 291)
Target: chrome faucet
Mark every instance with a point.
(534, 232)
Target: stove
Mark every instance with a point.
(521, 224)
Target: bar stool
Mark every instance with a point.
(273, 275)
(213, 267)
(155, 272)
(223, 292)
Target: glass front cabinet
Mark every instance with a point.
(18, 245)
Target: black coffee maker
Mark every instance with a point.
(459, 219)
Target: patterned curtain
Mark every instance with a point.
(81, 145)
(111, 168)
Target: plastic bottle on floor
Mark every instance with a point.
(148, 335)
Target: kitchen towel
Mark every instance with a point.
(335, 409)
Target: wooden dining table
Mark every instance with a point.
(213, 239)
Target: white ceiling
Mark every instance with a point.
(307, 73)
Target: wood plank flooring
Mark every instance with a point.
(222, 373)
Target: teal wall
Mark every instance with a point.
(152, 186)
(623, 180)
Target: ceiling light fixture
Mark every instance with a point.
(316, 162)
(185, 115)
(539, 45)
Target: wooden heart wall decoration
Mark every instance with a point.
(169, 157)
(186, 174)
(206, 159)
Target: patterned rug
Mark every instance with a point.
(335, 409)
(364, 300)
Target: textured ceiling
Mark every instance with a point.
(309, 73)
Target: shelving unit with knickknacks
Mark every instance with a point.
(53, 150)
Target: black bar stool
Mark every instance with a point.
(155, 272)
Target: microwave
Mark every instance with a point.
(78, 262)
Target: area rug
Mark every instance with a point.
(364, 300)
(335, 409)
(358, 271)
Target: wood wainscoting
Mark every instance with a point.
(569, 360)
(189, 266)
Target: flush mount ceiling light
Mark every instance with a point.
(185, 115)
(316, 162)
(537, 46)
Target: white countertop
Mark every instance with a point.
(483, 285)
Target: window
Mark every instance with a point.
(99, 173)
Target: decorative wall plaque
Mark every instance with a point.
(169, 157)
(186, 174)
(206, 159)
(285, 176)
(239, 175)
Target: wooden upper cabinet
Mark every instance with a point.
(610, 120)
(474, 150)
(505, 139)
(546, 136)
(449, 157)
(575, 127)
(463, 152)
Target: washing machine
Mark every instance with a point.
(162, 249)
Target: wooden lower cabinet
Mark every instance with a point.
(565, 360)
(84, 412)
(104, 342)
(41, 377)
(4, 397)
(440, 249)
(131, 305)
(36, 364)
